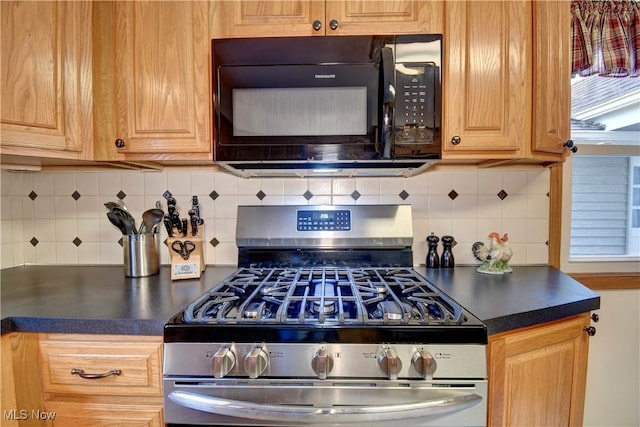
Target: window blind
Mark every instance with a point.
(599, 205)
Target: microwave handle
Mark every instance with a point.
(388, 104)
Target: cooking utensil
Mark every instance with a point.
(150, 218)
(117, 221)
(128, 221)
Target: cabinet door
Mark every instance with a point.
(297, 17)
(46, 79)
(551, 75)
(265, 18)
(537, 376)
(160, 78)
(487, 79)
(99, 414)
(384, 17)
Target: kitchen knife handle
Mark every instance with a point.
(168, 225)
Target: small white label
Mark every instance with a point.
(185, 269)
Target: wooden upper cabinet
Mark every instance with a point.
(551, 77)
(384, 17)
(46, 79)
(153, 78)
(487, 79)
(537, 375)
(245, 18)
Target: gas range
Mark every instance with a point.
(324, 300)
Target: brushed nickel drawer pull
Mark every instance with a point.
(86, 376)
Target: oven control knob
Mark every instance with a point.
(390, 363)
(256, 362)
(424, 363)
(322, 363)
(223, 362)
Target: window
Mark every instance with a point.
(605, 172)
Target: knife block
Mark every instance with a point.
(194, 265)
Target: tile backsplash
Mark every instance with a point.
(59, 217)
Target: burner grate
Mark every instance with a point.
(325, 295)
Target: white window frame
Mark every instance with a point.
(591, 264)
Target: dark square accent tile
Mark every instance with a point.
(548, 194)
(261, 195)
(75, 195)
(77, 241)
(121, 195)
(214, 195)
(167, 194)
(34, 241)
(546, 243)
(33, 195)
(355, 195)
(452, 194)
(214, 242)
(502, 194)
(307, 195)
(121, 242)
(403, 195)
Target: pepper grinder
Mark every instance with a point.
(433, 260)
(447, 261)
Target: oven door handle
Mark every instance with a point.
(451, 402)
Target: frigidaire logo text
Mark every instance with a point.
(325, 76)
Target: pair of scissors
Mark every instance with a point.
(183, 248)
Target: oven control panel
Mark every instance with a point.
(324, 220)
(326, 360)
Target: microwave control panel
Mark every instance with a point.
(415, 115)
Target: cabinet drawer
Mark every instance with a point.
(78, 414)
(137, 363)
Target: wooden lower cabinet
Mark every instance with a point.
(39, 388)
(537, 375)
(129, 394)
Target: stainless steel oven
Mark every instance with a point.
(325, 322)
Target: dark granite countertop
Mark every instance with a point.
(100, 300)
(528, 296)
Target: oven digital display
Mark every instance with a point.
(339, 220)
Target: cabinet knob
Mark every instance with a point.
(571, 146)
(120, 143)
(590, 330)
(456, 140)
(333, 24)
(595, 317)
(317, 25)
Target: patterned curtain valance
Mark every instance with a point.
(605, 38)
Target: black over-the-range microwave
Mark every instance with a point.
(327, 103)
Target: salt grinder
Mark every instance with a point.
(447, 261)
(433, 260)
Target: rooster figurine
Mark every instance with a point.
(494, 254)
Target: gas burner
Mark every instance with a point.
(325, 295)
